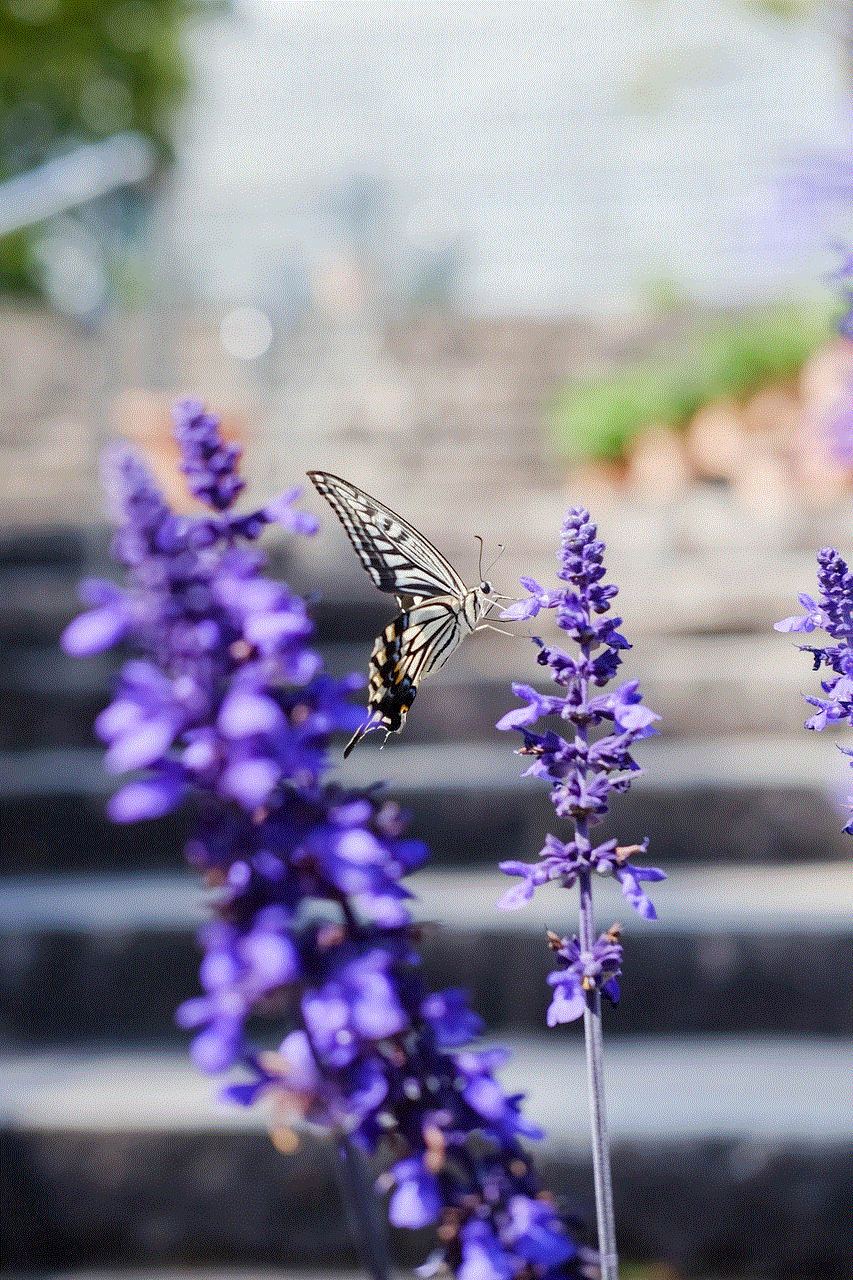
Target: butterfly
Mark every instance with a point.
(438, 609)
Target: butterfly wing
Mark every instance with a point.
(415, 643)
(397, 557)
(438, 609)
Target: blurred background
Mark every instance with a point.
(485, 260)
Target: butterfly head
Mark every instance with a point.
(482, 598)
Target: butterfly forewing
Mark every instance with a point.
(438, 610)
(398, 558)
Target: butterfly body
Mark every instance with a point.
(438, 609)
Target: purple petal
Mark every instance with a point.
(482, 1256)
(537, 1234)
(359, 846)
(245, 712)
(301, 1071)
(120, 717)
(795, 623)
(270, 630)
(94, 632)
(632, 893)
(193, 1013)
(149, 798)
(272, 958)
(647, 873)
(567, 1004)
(243, 1094)
(141, 746)
(516, 896)
(216, 1049)
(251, 781)
(386, 910)
(377, 1014)
(281, 510)
(416, 1202)
(521, 610)
(519, 717)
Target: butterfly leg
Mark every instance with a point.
(487, 626)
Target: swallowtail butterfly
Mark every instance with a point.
(438, 610)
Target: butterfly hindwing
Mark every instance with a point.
(398, 558)
(411, 646)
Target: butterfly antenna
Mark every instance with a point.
(477, 538)
(501, 549)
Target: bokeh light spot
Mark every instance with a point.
(246, 333)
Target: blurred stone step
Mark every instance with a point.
(697, 685)
(734, 952)
(103, 1091)
(125, 1156)
(703, 800)
(679, 573)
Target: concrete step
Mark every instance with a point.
(698, 685)
(736, 799)
(125, 1155)
(687, 573)
(734, 952)
(682, 612)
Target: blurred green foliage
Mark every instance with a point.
(78, 71)
(732, 358)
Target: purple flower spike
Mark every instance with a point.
(583, 770)
(209, 464)
(832, 613)
(227, 707)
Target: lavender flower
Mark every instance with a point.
(582, 772)
(227, 707)
(585, 971)
(833, 613)
(209, 464)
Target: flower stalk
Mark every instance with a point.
(582, 771)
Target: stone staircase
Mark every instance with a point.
(730, 1057)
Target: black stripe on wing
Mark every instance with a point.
(410, 647)
(415, 643)
(398, 558)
